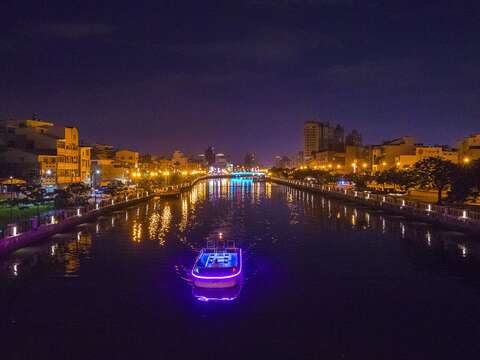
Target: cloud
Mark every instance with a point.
(266, 46)
(70, 31)
(297, 3)
(400, 75)
(5, 46)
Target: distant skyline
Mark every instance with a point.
(242, 76)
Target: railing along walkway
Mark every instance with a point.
(465, 219)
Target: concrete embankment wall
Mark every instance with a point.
(460, 219)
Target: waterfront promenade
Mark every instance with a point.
(455, 218)
(38, 228)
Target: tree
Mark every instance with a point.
(361, 181)
(473, 174)
(404, 179)
(279, 172)
(462, 185)
(63, 198)
(436, 173)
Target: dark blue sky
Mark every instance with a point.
(242, 75)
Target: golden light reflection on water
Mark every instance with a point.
(268, 190)
(165, 224)
(153, 224)
(74, 250)
(137, 231)
(184, 220)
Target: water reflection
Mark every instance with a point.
(258, 216)
(137, 231)
(227, 294)
(165, 224)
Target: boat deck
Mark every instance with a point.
(218, 260)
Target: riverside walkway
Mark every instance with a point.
(456, 218)
(18, 235)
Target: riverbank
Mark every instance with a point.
(455, 218)
(18, 235)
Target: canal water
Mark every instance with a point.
(322, 279)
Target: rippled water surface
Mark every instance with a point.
(323, 279)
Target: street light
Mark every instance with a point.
(11, 197)
(92, 183)
(466, 160)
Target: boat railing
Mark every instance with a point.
(220, 245)
(211, 244)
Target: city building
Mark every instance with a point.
(328, 160)
(111, 165)
(469, 148)
(250, 161)
(358, 158)
(354, 138)
(210, 156)
(106, 171)
(384, 156)
(319, 136)
(68, 158)
(220, 161)
(179, 161)
(127, 158)
(337, 141)
(283, 162)
(42, 153)
(85, 164)
(312, 134)
(103, 151)
(423, 152)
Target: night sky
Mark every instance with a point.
(242, 75)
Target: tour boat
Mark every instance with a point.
(218, 265)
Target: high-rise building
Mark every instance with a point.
(311, 139)
(354, 138)
(221, 161)
(250, 161)
(337, 141)
(282, 162)
(210, 156)
(320, 136)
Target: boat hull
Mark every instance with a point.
(204, 275)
